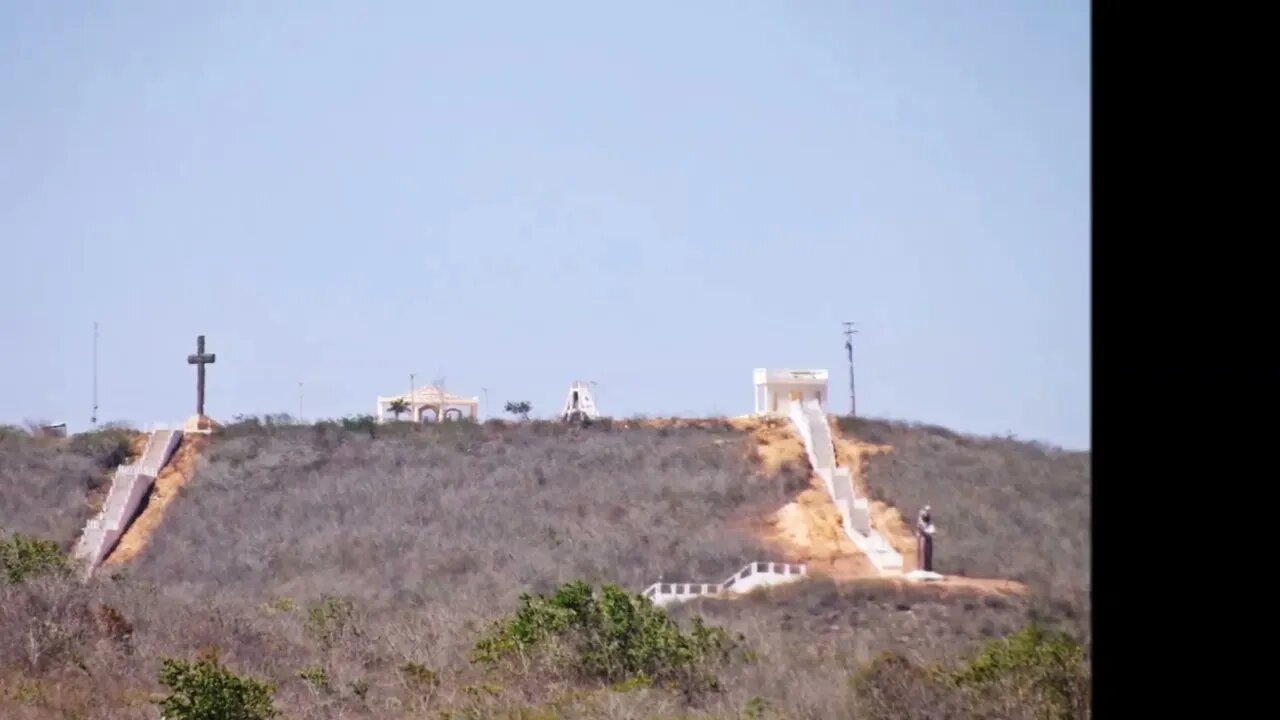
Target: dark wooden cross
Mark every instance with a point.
(200, 359)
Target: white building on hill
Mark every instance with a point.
(776, 390)
(431, 404)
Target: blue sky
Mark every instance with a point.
(517, 195)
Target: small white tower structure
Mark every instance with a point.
(580, 404)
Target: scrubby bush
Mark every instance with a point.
(330, 619)
(107, 448)
(51, 486)
(1042, 669)
(12, 431)
(1034, 674)
(23, 557)
(609, 636)
(205, 690)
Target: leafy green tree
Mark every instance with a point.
(329, 619)
(1035, 664)
(205, 690)
(611, 636)
(23, 557)
(522, 408)
(1035, 673)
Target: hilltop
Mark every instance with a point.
(419, 537)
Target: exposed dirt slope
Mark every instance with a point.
(175, 474)
(888, 520)
(808, 529)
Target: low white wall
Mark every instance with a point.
(751, 577)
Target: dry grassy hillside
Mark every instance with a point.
(463, 514)
(48, 486)
(1003, 507)
(356, 568)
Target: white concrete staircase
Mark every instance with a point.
(750, 577)
(129, 486)
(812, 426)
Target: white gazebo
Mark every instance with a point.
(434, 399)
(776, 390)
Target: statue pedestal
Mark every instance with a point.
(923, 576)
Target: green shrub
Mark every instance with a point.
(361, 423)
(1034, 673)
(316, 678)
(1037, 663)
(12, 431)
(419, 677)
(892, 687)
(329, 619)
(610, 636)
(205, 690)
(23, 557)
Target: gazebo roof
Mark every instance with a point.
(788, 375)
(431, 394)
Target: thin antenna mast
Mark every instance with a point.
(849, 332)
(93, 419)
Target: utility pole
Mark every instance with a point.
(849, 332)
(299, 402)
(93, 419)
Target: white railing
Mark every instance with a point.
(750, 577)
